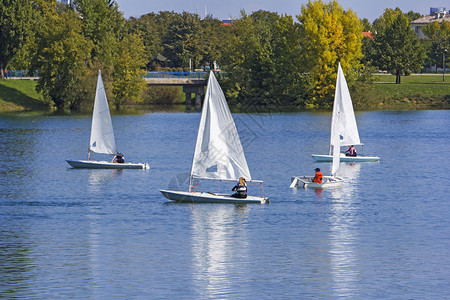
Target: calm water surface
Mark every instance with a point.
(110, 234)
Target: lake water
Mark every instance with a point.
(109, 234)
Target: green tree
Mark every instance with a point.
(329, 35)
(153, 28)
(411, 15)
(147, 28)
(213, 40)
(290, 82)
(385, 20)
(115, 51)
(397, 48)
(367, 26)
(437, 41)
(103, 25)
(263, 61)
(61, 54)
(15, 27)
(182, 41)
(248, 60)
(367, 50)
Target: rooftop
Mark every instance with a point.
(432, 18)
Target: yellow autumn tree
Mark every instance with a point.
(128, 70)
(329, 35)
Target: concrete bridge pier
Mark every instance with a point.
(198, 90)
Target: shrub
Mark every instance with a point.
(162, 95)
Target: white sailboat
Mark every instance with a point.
(102, 136)
(347, 123)
(338, 133)
(327, 181)
(218, 152)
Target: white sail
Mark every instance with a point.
(336, 160)
(102, 133)
(218, 151)
(343, 123)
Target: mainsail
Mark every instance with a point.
(102, 134)
(218, 151)
(343, 122)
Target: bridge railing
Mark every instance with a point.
(152, 75)
(176, 75)
(21, 73)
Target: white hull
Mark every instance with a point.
(201, 197)
(92, 164)
(307, 182)
(328, 158)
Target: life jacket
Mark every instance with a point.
(318, 177)
(241, 189)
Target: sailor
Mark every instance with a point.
(240, 189)
(350, 151)
(118, 158)
(318, 177)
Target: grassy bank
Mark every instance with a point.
(422, 91)
(20, 95)
(415, 91)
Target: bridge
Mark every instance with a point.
(192, 82)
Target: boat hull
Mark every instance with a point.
(307, 182)
(329, 158)
(201, 197)
(92, 164)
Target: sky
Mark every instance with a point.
(228, 9)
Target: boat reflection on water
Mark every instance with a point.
(318, 192)
(344, 221)
(219, 239)
(98, 178)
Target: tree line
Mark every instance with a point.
(268, 59)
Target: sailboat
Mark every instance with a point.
(338, 131)
(347, 123)
(102, 136)
(218, 153)
(327, 181)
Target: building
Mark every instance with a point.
(368, 34)
(437, 14)
(226, 23)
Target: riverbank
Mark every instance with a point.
(19, 95)
(418, 91)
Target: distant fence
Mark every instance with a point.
(21, 74)
(149, 75)
(176, 75)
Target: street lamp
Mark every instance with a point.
(443, 64)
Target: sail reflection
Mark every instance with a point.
(343, 235)
(98, 178)
(219, 242)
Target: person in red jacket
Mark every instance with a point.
(318, 177)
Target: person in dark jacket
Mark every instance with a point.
(350, 151)
(240, 189)
(119, 158)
